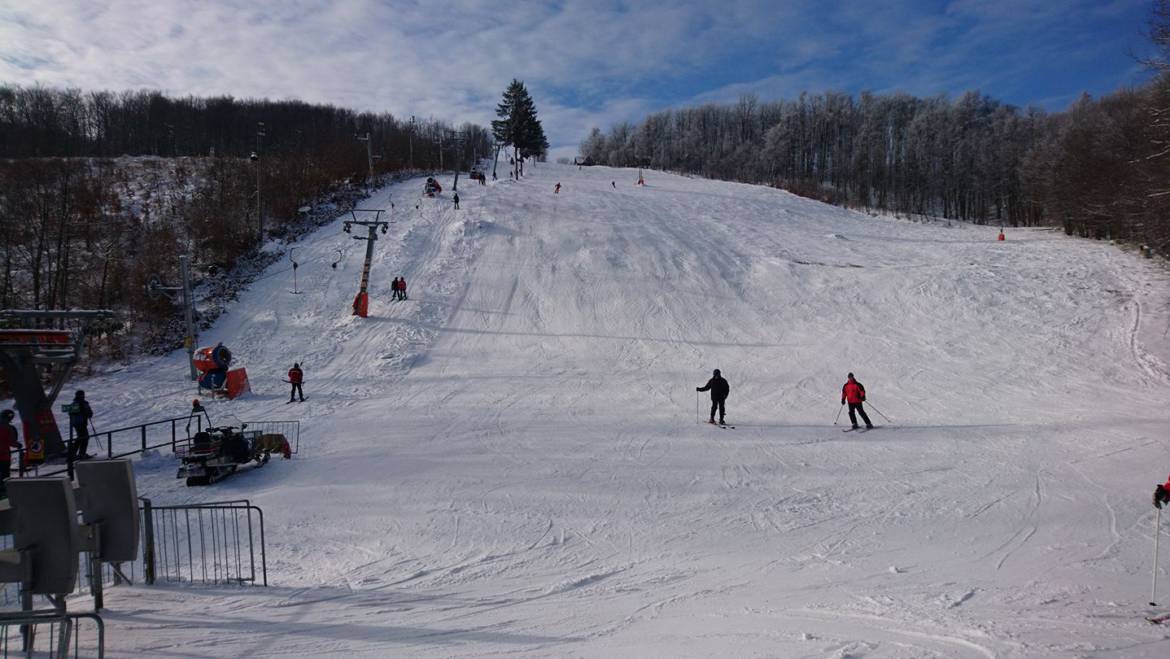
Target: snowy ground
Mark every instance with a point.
(509, 463)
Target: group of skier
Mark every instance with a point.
(853, 393)
(398, 288)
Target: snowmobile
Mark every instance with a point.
(215, 452)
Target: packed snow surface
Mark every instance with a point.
(511, 462)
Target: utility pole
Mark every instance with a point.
(361, 303)
(256, 157)
(155, 288)
(458, 159)
(369, 157)
(410, 138)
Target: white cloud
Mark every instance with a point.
(587, 62)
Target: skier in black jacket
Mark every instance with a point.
(719, 390)
(79, 415)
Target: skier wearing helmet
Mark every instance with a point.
(854, 393)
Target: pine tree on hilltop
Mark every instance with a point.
(517, 125)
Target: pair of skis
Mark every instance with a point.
(861, 429)
(723, 426)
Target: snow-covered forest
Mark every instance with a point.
(82, 225)
(1098, 169)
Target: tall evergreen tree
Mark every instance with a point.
(518, 125)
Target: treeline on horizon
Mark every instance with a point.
(1098, 169)
(77, 232)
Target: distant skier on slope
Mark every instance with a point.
(557, 188)
(854, 393)
(394, 289)
(402, 288)
(719, 390)
(456, 198)
(614, 184)
(1162, 494)
(295, 377)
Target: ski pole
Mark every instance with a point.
(839, 409)
(96, 436)
(1157, 532)
(879, 412)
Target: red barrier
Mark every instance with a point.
(237, 383)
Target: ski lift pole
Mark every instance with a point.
(188, 305)
(295, 265)
(361, 302)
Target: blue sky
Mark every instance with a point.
(586, 62)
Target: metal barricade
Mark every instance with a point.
(291, 430)
(124, 442)
(52, 634)
(204, 543)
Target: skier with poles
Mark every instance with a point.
(719, 390)
(79, 415)
(1161, 498)
(456, 199)
(854, 393)
(295, 377)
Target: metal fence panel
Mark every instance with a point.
(290, 429)
(52, 634)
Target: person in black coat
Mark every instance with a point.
(79, 415)
(719, 390)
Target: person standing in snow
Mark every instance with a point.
(557, 188)
(394, 289)
(79, 415)
(614, 184)
(402, 288)
(719, 390)
(8, 442)
(854, 393)
(1162, 494)
(295, 377)
(456, 198)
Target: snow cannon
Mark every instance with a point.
(213, 358)
(212, 363)
(432, 187)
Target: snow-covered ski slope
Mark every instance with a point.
(510, 462)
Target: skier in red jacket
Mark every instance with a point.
(295, 377)
(854, 393)
(1162, 494)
